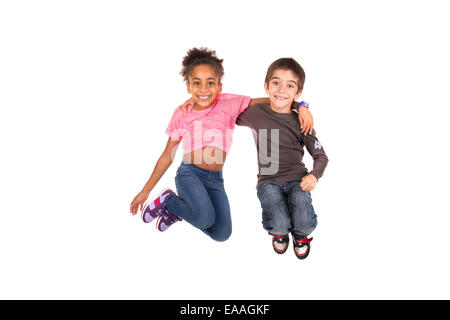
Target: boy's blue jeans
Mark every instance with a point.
(201, 201)
(287, 208)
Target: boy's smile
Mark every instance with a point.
(282, 90)
(204, 86)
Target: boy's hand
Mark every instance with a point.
(308, 183)
(306, 120)
(138, 202)
(186, 106)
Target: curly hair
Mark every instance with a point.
(199, 56)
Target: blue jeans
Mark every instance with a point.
(201, 201)
(287, 208)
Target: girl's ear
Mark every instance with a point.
(298, 95)
(188, 86)
(220, 88)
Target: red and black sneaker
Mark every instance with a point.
(302, 247)
(280, 243)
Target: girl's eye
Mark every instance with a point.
(211, 83)
(196, 83)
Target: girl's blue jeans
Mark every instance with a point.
(201, 201)
(287, 208)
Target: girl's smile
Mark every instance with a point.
(204, 86)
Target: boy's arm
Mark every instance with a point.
(318, 154)
(164, 162)
(320, 158)
(304, 115)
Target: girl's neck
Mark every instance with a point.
(199, 108)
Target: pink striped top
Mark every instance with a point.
(210, 127)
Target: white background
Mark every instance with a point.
(87, 89)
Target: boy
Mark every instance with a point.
(284, 183)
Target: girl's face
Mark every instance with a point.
(204, 86)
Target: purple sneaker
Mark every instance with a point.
(166, 220)
(156, 207)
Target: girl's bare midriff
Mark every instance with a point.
(207, 158)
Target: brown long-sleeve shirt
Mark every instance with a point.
(280, 144)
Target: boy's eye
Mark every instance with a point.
(291, 86)
(275, 83)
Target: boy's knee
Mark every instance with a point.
(278, 225)
(306, 231)
(306, 227)
(301, 201)
(269, 193)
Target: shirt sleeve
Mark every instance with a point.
(244, 119)
(317, 152)
(244, 103)
(236, 103)
(174, 129)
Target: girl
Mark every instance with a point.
(207, 137)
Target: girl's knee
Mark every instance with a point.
(221, 234)
(203, 219)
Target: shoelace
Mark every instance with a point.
(281, 240)
(304, 240)
(171, 218)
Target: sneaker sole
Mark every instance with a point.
(278, 251)
(157, 223)
(303, 256)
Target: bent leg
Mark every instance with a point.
(192, 203)
(275, 214)
(222, 228)
(304, 219)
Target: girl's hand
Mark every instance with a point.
(138, 202)
(186, 106)
(306, 120)
(308, 183)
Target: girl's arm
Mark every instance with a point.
(304, 115)
(163, 163)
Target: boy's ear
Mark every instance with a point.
(188, 86)
(298, 95)
(266, 87)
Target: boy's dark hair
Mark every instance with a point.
(287, 64)
(199, 56)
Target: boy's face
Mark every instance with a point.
(282, 90)
(204, 86)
